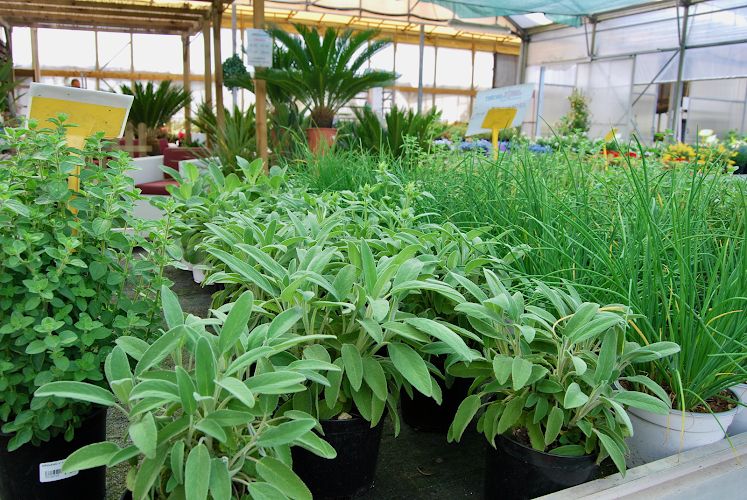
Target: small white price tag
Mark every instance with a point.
(52, 471)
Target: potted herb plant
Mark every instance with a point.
(459, 258)
(201, 404)
(355, 299)
(203, 194)
(544, 389)
(325, 73)
(70, 283)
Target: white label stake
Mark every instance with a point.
(52, 471)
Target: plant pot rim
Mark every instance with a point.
(688, 414)
(333, 129)
(529, 449)
(696, 415)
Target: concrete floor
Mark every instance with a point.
(412, 466)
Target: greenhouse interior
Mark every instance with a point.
(375, 249)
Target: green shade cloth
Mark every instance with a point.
(564, 11)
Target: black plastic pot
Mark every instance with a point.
(352, 472)
(20, 472)
(515, 471)
(424, 414)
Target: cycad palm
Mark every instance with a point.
(155, 106)
(326, 71)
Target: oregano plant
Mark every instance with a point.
(71, 280)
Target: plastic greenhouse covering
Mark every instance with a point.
(633, 54)
(564, 11)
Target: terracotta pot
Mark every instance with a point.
(320, 139)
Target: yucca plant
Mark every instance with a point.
(326, 70)
(399, 124)
(154, 106)
(237, 138)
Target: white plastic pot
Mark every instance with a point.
(739, 424)
(658, 436)
(198, 275)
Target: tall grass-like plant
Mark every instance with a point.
(325, 71)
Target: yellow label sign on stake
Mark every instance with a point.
(91, 111)
(498, 119)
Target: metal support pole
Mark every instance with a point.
(435, 72)
(260, 92)
(495, 69)
(132, 59)
(522, 62)
(187, 88)
(219, 108)
(420, 68)
(208, 63)
(234, 91)
(675, 123)
(472, 82)
(35, 54)
(96, 47)
(538, 109)
(207, 67)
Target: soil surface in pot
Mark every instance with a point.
(412, 466)
(723, 401)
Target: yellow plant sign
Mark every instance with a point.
(91, 111)
(610, 135)
(497, 119)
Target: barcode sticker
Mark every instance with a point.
(52, 471)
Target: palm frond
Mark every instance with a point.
(155, 106)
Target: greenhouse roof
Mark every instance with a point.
(563, 11)
(137, 16)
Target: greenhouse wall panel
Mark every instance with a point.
(559, 49)
(726, 61)
(643, 112)
(656, 67)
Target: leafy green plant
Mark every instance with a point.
(324, 71)
(400, 124)
(202, 196)
(7, 84)
(237, 138)
(154, 106)
(577, 121)
(549, 371)
(201, 404)
(70, 283)
(331, 263)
